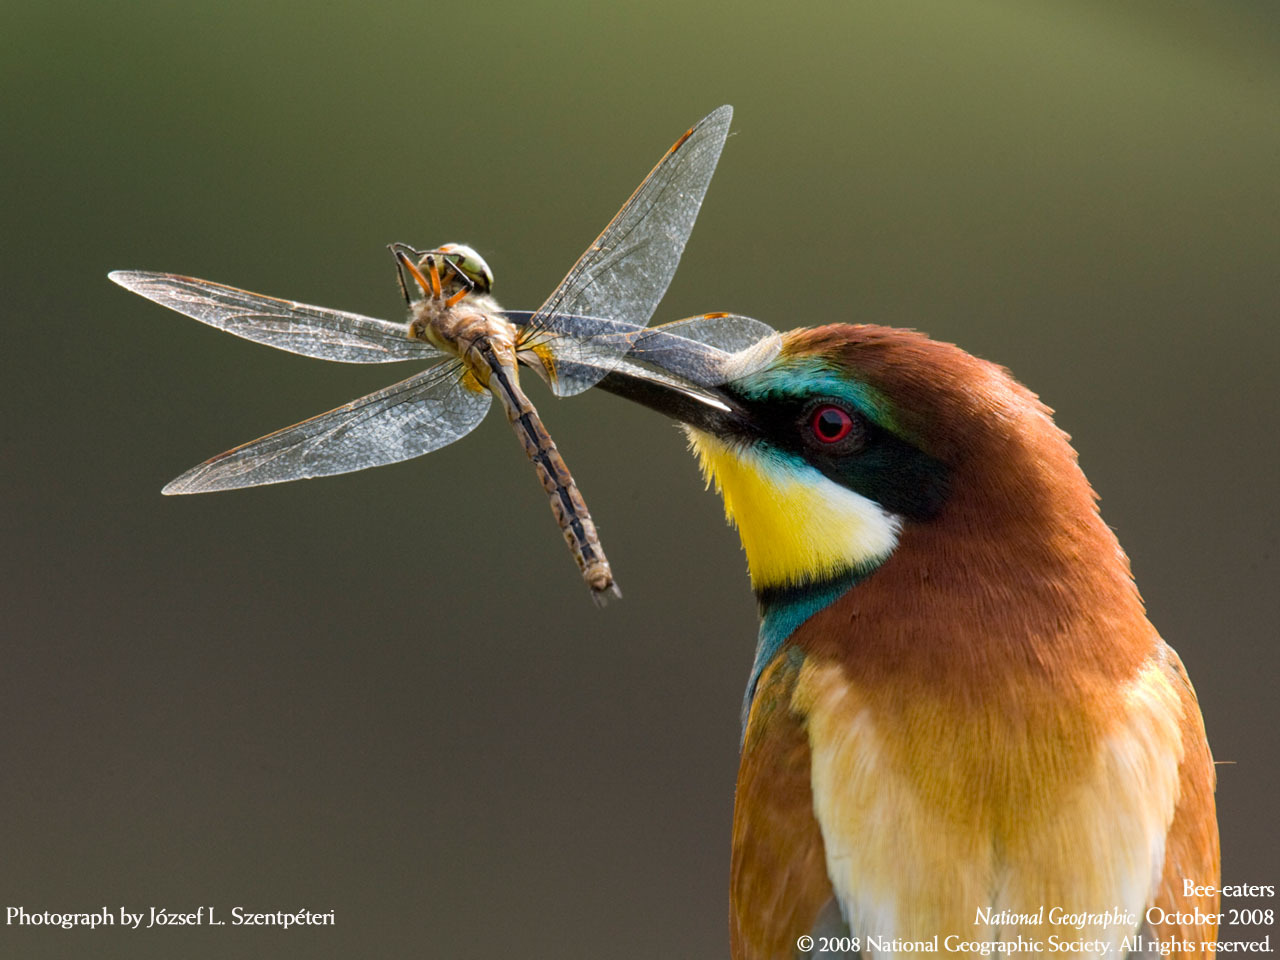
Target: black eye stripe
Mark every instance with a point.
(869, 460)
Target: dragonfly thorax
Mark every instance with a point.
(468, 330)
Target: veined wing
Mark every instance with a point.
(407, 419)
(708, 349)
(624, 274)
(677, 369)
(296, 327)
(704, 351)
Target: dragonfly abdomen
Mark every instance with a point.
(567, 504)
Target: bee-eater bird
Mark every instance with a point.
(959, 722)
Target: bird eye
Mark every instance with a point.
(830, 424)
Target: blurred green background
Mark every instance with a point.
(388, 694)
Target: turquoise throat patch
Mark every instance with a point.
(782, 610)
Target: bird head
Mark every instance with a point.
(850, 442)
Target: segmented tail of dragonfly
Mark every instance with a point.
(567, 505)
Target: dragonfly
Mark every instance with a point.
(593, 325)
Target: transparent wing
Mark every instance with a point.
(296, 327)
(708, 349)
(407, 419)
(705, 350)
(624, 274)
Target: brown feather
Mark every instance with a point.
(778, 874)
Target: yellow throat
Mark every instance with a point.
(796, 525)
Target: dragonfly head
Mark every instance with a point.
(447, 274)
(458, 259)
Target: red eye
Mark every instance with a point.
(830, 424)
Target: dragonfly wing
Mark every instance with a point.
(296, 327)
(624, 274)
(407, 419)
(705, 350)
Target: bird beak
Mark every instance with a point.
(708, 409)
(679, 370)
(670, 372)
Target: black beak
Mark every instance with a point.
(683, 370)
(708, 409)
(686, 379)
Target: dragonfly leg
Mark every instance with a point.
(406, 263)
(468, 285)
(434, 274)
(395, 249)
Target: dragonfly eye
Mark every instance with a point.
(470, 265)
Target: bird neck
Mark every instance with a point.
(783, 609)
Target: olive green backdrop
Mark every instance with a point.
(388, 694)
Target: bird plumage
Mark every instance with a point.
(958, 701)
